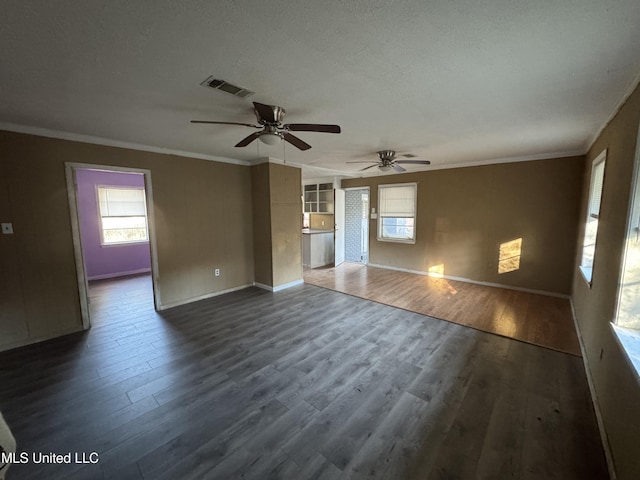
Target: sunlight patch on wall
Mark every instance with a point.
(437, 271)
(510, 252)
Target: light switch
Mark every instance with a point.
(7, 228)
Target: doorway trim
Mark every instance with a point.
(366, 238)
(81, 272)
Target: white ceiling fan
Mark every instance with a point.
(387, 162)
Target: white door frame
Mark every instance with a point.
(366, 239)
(339, 233)
(70, 170)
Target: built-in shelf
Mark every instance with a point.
(318, 198)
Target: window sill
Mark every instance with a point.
(629, 340)
(124, 244)
(397, 240)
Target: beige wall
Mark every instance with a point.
(203, 221)
(286, 223)
(616, 384)
(316, 219)
(262, 247)
(277, 224)
(464, 214)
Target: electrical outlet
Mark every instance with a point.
(217, 272)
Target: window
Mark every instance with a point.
(627, 319)
(397, 212)
(593, 215)
(123, 215)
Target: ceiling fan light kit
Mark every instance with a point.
(270, 138)
(270, 119)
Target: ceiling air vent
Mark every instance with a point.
(227, 87)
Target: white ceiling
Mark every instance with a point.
(456, 82)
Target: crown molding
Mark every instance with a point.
(107, 142)
(497, 161)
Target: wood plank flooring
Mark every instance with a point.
(306, 383)
(538, 319)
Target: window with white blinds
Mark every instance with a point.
(123, 215)
(397, 212)
(593, 215)
(595, 192)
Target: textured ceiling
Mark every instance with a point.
(455, 82)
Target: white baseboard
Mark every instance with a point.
(468, 280)
(119, 274)
(279, 287)
(397, 269)
(202, 297)
(594, 398)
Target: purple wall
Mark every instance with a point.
(106, 261)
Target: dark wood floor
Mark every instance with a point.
(538, 319)
(305, 383)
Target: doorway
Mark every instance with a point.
(357, 225)
(112, 225)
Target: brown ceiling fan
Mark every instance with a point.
(273, 130)
(387, 161)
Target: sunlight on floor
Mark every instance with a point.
(437, 272)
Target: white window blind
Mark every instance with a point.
(123, 215)
(397, 212)
(398, 201)
(595, 192)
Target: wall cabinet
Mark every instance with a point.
(318, 198)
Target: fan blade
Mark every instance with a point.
(398, 168)
(312, 127)
(366, 161)
(295, 141)
(266, 112)
(415, 162)
(226, 123)
(247, 140)
(367, 168)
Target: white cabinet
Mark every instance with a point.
(318, 198)
(317, 248)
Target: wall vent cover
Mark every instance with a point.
(227, 87)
